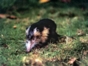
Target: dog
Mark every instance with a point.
(41, 32)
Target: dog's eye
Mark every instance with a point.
(37, 29)
(32, 37)
(38, 37)
(29, 37)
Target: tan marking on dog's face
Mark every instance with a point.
(45, 33)
(37, 36)
(36, 33)
(41, 37)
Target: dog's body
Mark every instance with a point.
(42, 32)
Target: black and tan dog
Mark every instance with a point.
(41, 32)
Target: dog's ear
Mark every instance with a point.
(27, 30)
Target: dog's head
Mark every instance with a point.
(35, 36)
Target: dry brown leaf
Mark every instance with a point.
(85, 52)
(33, 60)
(68, 40)
(14, 26)
(62, 39)
(43, 1)
(83, 40)
(72, 60)
(80, 32)
(2, 16)
(8, 16)
(11, 17)
(54, 59)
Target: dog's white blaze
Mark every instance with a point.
(35, 30)
(27, 30)
(29, 45)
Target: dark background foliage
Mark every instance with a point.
(6, 5)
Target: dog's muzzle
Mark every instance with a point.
(29, 45)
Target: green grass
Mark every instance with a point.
(12, 46)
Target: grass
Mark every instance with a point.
(12, 45)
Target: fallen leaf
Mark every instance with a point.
(43, 1)
(80, 32)
(83, 40)
(14, 26)
(2, 16)
(75, 18)
(8, 16)
(68, 40)
(33, 60)
(54, 59)
(72, 60)
(11, 17)
(85, 52)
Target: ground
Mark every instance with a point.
(71, 22)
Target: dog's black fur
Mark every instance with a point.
(49, 24)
